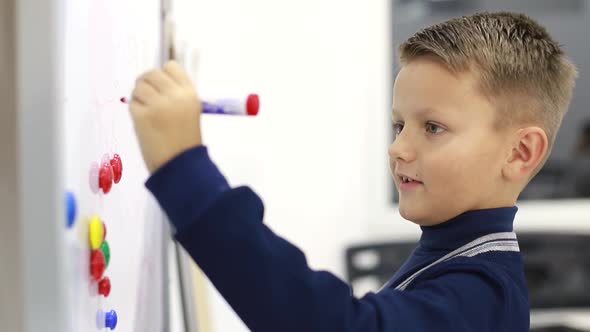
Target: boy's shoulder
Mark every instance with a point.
(486, 291)
(491, 267)
(494, 275)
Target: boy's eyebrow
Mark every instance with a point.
(421, 112)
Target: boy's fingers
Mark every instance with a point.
(176, 72)
(158, 79)
(135, 107)
(143, 92)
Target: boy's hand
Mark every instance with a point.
(166, 112)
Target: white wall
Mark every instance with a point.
(317, 66)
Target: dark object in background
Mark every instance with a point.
(557, 266)
(560, 180)
(583, 147)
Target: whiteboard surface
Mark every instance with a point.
(108, 44)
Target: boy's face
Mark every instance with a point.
(446, 143)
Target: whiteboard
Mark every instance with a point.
(107, 44)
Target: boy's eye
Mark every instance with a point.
(397, 128)
(432, 128)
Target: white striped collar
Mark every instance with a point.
(504, 241)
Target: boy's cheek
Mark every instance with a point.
(392, 165)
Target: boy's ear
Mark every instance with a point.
(528, 151)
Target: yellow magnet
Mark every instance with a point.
(95, 232)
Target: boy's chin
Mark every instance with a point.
(419, 216)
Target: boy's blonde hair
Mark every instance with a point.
(521, 69)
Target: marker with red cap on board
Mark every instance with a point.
(230, 106)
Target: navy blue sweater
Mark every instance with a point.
(465, 275)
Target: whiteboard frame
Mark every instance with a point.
(41, 195)
(178, 272)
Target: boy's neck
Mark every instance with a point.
(468, 226)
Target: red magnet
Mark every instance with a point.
(117, 166)
(105, 177)
(104, 286)
(97, 264)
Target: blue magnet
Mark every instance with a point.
(110, 319)
(70, 209)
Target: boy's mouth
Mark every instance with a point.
(406, 179)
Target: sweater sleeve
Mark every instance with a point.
(269, 284)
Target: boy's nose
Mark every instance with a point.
(399, 149)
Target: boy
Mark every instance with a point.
(476, 107)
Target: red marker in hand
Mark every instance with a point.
(229, 106)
